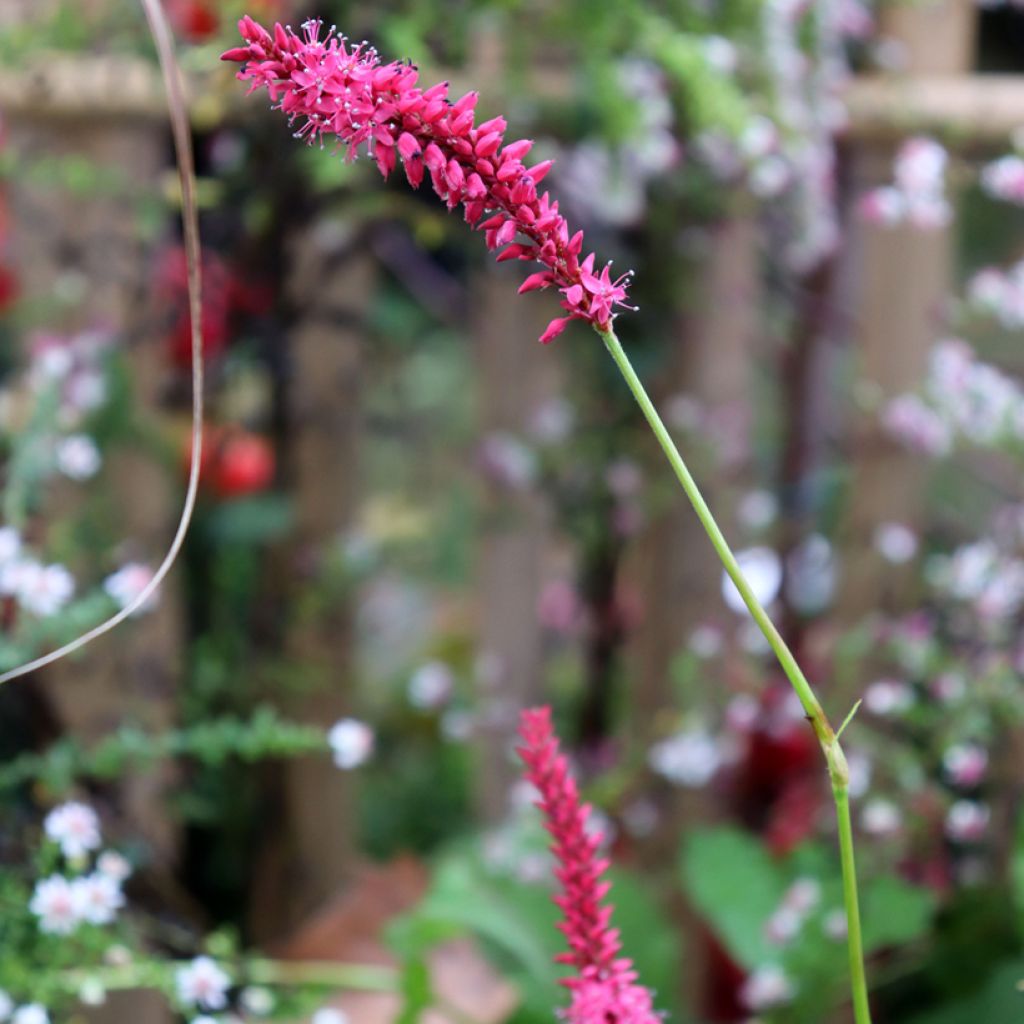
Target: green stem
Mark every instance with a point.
(837, 767)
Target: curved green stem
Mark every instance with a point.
(836, 761)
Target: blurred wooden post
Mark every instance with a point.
(515, 378)
(92, 245)
(90, 249)
(905, 277)
(332, 281)
(672, 563)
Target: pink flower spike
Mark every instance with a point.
(345, 93)
(605, 989)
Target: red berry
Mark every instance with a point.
(244, 464)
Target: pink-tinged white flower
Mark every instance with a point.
(881, 818)
(762, 569)
(917, 196)
(895, 542)
(552, 422)
(125, 585)
(75, 827)
(56, 903)
(967, 821)
(948, 688)
(855, 19)
(803, 895)
(431, 685)
(783, 926)
(965, 764)
(721, 55)
(203, 984)
(348, 96)
(605, 986)
(42, 590)
(1004, 179)
(689, 758)
(559, 607)
(351, 743)
(505, 460)
(766, 988)
(32, 1013)
(911, 420)
(77, 457)
(860, 773)
(887, 697)
(98, 897)
(742, 713)
(706, 641)
(114, 866)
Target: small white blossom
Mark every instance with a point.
(706, 641)
(762, 570)
(965, 764)
(125, 585)
(75, 827)
(6, 1005)
(99, 898)
(834, 924)
(895, 542)
(431, 685)
(327, 1015)
(10, 544)
(43, 590)
(33, 1013)
(767, 987)
(204, 984)
(92, 992)
(113, 865)
(351, 742)
(77, 457)
(888, 697)
(690, 758)
(881, 818)
(56, 903)
(967, 821)
(257, 1000)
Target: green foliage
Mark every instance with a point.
(1000, 1000)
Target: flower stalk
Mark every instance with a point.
(835, 759)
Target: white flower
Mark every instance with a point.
(834, 924)
(895, 542)
(706, 641)
(55, 902)
(33, 1013)
(75, 827)
(767, 987)
(78, 457)
(202, 983)
(811, 575)
(257, 1000)
(6, 1005)
(329, 1016)
(965, 764)
(10, 544)
(431, 685)
(967, 821)
(98, 897)
(43, 589)
(92, 992)
(689, 758)
(881, 818)
(351, 742)
(757, 510)
(125, 585)
(113, 865)
(762, 570)
(888, 697)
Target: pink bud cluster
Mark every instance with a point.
(346, 92)
(605, 990)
